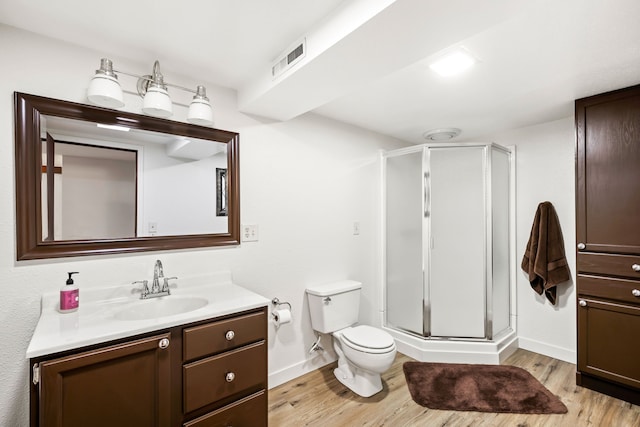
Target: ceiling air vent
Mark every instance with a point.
(290, 58)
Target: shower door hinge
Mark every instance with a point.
(36, 373)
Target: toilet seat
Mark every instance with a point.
(368, 339)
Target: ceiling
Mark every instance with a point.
(366, 61)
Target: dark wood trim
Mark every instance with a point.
(29, 243)
(581, 213)
(50, 187)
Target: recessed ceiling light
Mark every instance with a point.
(453, 63)
(443, 134)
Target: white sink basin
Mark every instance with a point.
(160, 307)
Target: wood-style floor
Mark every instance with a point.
(318, 399)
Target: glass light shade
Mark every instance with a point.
(105, 91)
(200, 112)
(157, 102)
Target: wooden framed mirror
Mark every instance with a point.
(95, 181)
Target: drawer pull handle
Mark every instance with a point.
(230, 335)
(581, 246)
(230, 377)
(163, 343)
(635, 293)
(582, 303)
(636, 267)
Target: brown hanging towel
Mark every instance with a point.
(544, 260)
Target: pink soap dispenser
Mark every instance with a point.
(69, 295)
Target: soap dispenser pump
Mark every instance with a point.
(69, 295)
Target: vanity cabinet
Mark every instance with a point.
(608, 242)
(204, 374)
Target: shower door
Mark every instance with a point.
(457, 245)
(405, 229)
(438, 241)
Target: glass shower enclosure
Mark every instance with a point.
(447, 213)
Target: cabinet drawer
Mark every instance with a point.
(609, 288)
(248, 412)
(609, 264)
(209, 380)
(224, 335)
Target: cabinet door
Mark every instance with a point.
(609, 341)
(608, 175)
(121, 385)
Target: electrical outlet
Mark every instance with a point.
(249, 233)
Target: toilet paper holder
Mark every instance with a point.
(277, 303)
(278, 315)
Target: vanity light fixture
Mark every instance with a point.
(105, 91)
(453, 62)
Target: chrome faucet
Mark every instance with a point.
(157, 275)
(156, 290)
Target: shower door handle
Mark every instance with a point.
(427, 195)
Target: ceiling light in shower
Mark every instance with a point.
(453, 62)
(443, 134)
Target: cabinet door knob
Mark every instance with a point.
(163, 343)
(230, 377)
(230, 335)
(635, 267)
(581, 246)
(582, 303)
(635, 293)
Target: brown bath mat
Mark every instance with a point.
(484, 388)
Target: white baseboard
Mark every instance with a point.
(297, 370)
(556, 352)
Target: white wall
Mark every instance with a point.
(304, 182)
(545, 171)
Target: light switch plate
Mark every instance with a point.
(249, 233)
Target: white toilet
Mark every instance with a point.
(364, 352)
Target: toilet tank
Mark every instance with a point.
(334, 306)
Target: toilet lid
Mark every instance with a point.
(368, 337)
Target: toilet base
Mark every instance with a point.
(362, 383)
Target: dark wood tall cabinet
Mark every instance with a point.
(608, 242)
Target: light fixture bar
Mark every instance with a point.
(150, 79)
(105, 91)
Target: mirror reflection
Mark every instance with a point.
(92, 181)
(115, 182)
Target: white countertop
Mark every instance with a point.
(94, 322)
